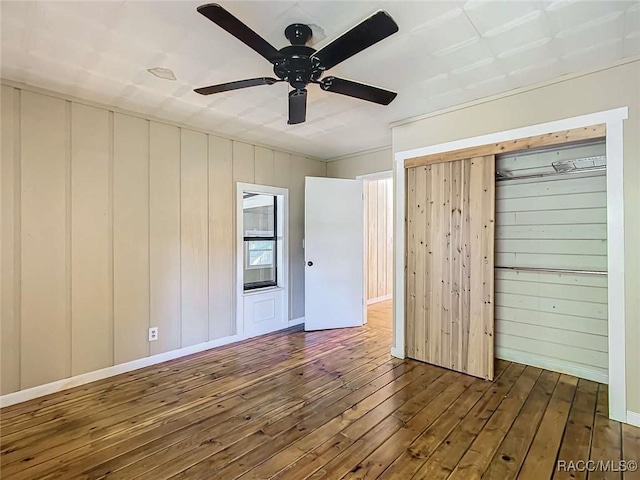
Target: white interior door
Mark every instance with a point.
(334, 253)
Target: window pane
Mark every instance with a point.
(259, 263)
(260, 258)
(259, 253)
(258, 212)
(260, 245)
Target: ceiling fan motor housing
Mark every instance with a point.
(298, 67)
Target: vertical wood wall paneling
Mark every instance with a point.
(221, 234)
(389, 239)
(296, 236)
(423, 260)
(445, 261)
(424, 253)
(465, 323)
(488, 262)
(91, 292)
(264, 174)
(82, 227)
(45, 335)
(450, 261)
(281, 169)
(282, 178)
(243, 162)
(456, 265)
(164, 235)
(410, 268)
(372, 238)
(244, 168)
(194, 234)
(379, 233)
(130, 237)
(10, 251)
(381, 283)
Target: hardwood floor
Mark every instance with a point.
(330, 405)
(380, 316)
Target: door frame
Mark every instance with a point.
(283, 284)
(364, 178)
(615, 234)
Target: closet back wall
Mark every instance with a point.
(113, 223)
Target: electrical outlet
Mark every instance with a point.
(153, 334)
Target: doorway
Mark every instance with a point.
(378, 257)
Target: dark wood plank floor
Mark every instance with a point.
(320, 405)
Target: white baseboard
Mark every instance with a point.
(66, 383)
(397, 352)
(371, 301)
(633, 418)
(551, 364)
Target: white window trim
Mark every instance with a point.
(615, 234)
(283, 272)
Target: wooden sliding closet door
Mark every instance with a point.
(450, 258)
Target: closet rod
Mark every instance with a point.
(552, 174)
(554, 270)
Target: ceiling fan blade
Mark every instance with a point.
(297, 106)
(235, 27)
(225, 87)
(357, 90)
(368, 32)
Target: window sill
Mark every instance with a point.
(258, 291)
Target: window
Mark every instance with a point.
(260, 220)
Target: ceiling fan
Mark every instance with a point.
(300, 65)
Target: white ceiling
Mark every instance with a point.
(446, 53)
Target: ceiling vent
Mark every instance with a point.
(163, 73)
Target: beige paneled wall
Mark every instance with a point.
(9, 241)
(379, 227)
(130, 237)
(164, 235)
(44, 260)
(221, 237)
(112, 223)
(91, 211)
(194, 251)
(375, 161)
